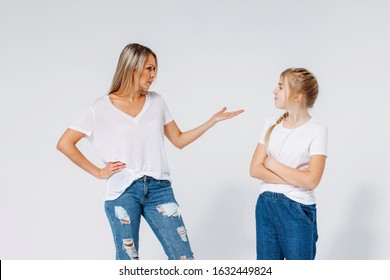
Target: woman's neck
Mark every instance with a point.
(130, 96)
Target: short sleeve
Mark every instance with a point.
(267, 125)
(85, 123)
(319, 143)
(167, 114)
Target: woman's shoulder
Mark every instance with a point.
(99, 103)
(154, 95)
(100, 100)
(155, 98)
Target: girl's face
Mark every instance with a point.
(148, 73)
(280, 96)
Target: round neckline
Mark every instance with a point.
(298, 127)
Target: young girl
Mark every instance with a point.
(289, 159)
(127, 127)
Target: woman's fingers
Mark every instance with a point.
(118, 164)
(114, 167)
(235, 113)
(222, 110)
(228, 115)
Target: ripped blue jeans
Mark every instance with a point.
(154, 200)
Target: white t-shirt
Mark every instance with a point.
(293, 147)
(137, 141)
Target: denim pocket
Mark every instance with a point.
(309, 212)
(164, 183)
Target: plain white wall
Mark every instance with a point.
(56, 57)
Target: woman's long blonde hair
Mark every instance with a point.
(129, 68)
(296, 80)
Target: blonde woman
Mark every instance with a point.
(127, 127)
(290, 160)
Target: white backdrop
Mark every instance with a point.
(56, 57)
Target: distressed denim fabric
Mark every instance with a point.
(285, 229)
(154, 200)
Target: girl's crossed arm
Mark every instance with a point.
(307, 178)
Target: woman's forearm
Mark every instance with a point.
(181, 139)
(187, 137)
(74, 154)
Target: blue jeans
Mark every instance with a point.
(285, 229)
(154, 200)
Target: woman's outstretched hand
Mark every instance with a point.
(223, 115)
(181, 139)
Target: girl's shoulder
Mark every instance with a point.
(319, 124)
(317, 127)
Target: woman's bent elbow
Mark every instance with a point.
(60, 146)
(179, 146)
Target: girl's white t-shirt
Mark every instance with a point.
(137, 141)
(293, 148)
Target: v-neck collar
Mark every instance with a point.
(138, 116)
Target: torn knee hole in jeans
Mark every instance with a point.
(170, 209)
(122, 215)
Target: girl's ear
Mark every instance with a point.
(298, 97)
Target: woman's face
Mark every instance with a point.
(280, 96)
(148, 73)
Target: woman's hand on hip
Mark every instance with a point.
(110, 169)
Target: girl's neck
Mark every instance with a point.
(296, 118)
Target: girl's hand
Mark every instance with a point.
(222, 115)
(110, 169)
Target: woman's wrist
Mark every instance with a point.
(210, 123)
(98, 173)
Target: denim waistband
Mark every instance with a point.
(275, 196)
(145, 178)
